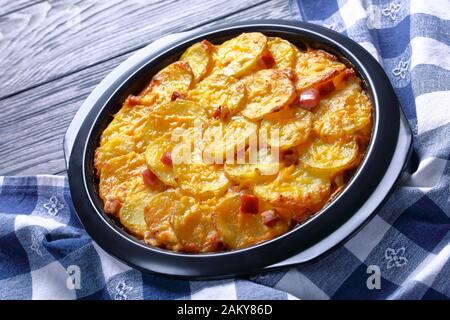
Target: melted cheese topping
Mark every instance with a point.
(178, 166)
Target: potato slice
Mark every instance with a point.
(200, 58)
(239, 229)
(343, 112)
(132, 213)
(153, 154)
(176, 77)
(118, 145)
(295, 187)
(240, 54)
(330, 157)
(194, 227)
(293, 127)
(283, 52)
(159, 212)
(314, 67)
(268, 91)
(165, 118)
(125, 121)
(201, 181)
(230, 93)
(223, 140)
(195, 177)
(114, 128)
(179, 222)
(180, 111)
(118, 138)
(117, 175)
(219, 90)
(263, 167)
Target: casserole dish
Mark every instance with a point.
(383, 163)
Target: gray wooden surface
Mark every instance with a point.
(53, 54)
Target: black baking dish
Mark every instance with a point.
(384, 161)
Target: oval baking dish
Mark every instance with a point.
(383, 163)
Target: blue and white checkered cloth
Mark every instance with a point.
(408, 241)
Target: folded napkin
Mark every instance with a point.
(408, 240)
(46, 254)
(402, 253)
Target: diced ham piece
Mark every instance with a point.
(217, 243)
(266, 60)
(217, 113)
(166, 159)
(249, 203)
(176, 95)
(150, 179)
(290, 157)
(133, 100)
(327, 55)
(221, 113)
(309, 98)
(270, 217)
(112, 206)
(326, 87)
(348, 73)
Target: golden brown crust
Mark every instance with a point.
(268, 91)
(249, 87)
(315, 67)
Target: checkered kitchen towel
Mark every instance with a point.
(408, 240)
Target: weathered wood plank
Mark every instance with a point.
(273, 9)
(33, 123)
(51, 39)
(9, 6)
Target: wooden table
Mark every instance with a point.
(53, 54)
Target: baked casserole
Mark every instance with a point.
(233, 144)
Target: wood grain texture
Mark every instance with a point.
(51, 39)
(33, 122)
(9, 6)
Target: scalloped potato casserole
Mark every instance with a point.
(233, 144)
